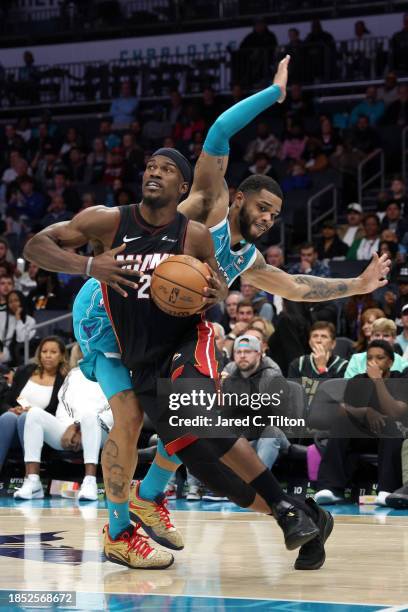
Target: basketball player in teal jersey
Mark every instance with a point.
(256, 205)
(253, 212)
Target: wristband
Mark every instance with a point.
(322, 370)
(231, 336)
(88, 266)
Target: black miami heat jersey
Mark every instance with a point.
(145, 333)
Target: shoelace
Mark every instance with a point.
(138, 542)
(164, 514)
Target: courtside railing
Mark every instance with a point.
(377, 172)
(330, 211)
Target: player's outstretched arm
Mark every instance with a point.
(305, 288)
(50, 248)
(208, 200)
(199, 244)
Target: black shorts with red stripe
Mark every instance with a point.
(194, 360)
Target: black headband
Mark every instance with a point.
(181, 162)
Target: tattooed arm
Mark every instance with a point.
(305, 288)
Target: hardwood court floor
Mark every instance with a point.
(57, 546)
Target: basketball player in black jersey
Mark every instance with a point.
(228, 465)
(149, 339)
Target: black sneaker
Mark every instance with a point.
(297, 526)
(312, 554)
(398, 499)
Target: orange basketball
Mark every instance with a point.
(177, 285)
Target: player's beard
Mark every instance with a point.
(156, 202)
(245, 225)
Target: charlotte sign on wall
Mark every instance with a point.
(174, 44)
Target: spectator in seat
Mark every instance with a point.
(371, 107)
(402, 338)
(124, 108)
(56, 212)
(365, 248)
(47, 295)
(328, 136)
(133, 156)
(382, 329)
(88, 200)
(6, 285)
(26, 281)
(397, 112)
(329, 246)
(75, 165)
(364, 138)
(110, 139)
(230, 313)
(209, 109)
(294, 141)
(393, 220)
(15, 326)
(366, 422)
(296, 105)
(175, 109)
(262, 165)
(47, 164)
(367, 318)
(352, 313)
(72, 139)
(354, 229)
(399, 193)
(69, 193)
(34, 385)
(389, 92)
(6, 256)
(258, 299)
(115, 168)
(32, 202)
(253, 373)
(394, 301)
(257, 331)
(18, 168)
(313, 158)
(96, 161)
(244, 317)
(309, 262)
(82, 422)
(322, 363)
(265, 142)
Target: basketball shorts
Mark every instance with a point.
(93, 331)
(194, 360)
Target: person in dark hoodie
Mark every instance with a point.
(253, 374)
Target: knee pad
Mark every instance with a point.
(206, 466)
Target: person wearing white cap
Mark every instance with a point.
(250, 365)
(353, 229)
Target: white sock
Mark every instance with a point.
(33, 477)
(89, 480)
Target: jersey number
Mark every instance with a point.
(144, 285)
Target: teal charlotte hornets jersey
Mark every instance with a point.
(231, 263)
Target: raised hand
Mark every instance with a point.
(375, 275)
(281, 77)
